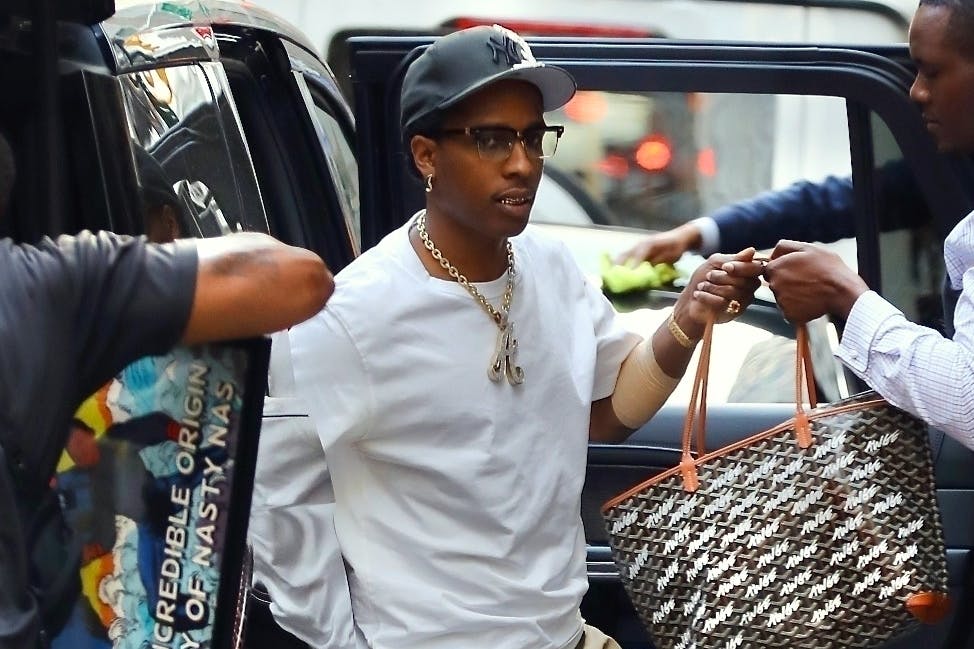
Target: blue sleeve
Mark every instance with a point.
(804, 211)
(823, 211)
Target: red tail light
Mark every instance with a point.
(654, 153)
(614, 166)
(545, 28)
(587, 107)
(707, 162)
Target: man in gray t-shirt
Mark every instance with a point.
(75, 311)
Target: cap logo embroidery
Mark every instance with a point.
(504, 42)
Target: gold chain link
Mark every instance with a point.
(499, 317)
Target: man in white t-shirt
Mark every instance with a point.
(463, 364)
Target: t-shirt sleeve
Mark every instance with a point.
(331, 376)
(125, 298)
(613, 340)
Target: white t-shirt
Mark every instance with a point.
(292, 504)
(457, 498)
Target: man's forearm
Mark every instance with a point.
(914, 367)
(250, 284)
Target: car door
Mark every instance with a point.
(745, 118)
(300, 135)
(233, 126)
(246, 123)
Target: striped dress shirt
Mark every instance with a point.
(915, 368)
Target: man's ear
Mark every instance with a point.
(424, 154)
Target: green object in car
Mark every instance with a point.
(176, 10)
(625, 278)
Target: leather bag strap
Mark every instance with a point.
(697, 409)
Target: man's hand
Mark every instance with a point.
(665, 247)
(713, 289)
(809, 281)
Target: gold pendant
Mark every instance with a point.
(503, 360)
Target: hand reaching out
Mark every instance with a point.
(663, 247)
(808, 281)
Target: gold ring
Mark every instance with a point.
(733, 307)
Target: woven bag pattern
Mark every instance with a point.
(788, 547)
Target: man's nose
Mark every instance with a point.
(919, 92)
(521, 159)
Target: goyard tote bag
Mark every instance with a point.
(822, 532)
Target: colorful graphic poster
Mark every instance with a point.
(155, 483)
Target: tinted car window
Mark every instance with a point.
(911, 260)
(339, 154)
(180, 118)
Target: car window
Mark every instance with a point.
(339, 154)
(704, 151)
(306, 201)
(658, 160)
(186, 141)
(911, 260)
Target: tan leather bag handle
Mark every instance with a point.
(697, 408)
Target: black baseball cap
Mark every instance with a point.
(459, 64)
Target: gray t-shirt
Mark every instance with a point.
(73, 313)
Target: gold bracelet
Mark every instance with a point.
(681, 337)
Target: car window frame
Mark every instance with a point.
(864, 76)
(874, 78)
(261, 70)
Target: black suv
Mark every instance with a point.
(245, 121)
(252, 132)
(222, 114)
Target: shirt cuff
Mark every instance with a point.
(709, 235)
(868, 314)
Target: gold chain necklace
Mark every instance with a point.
(503, 359)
